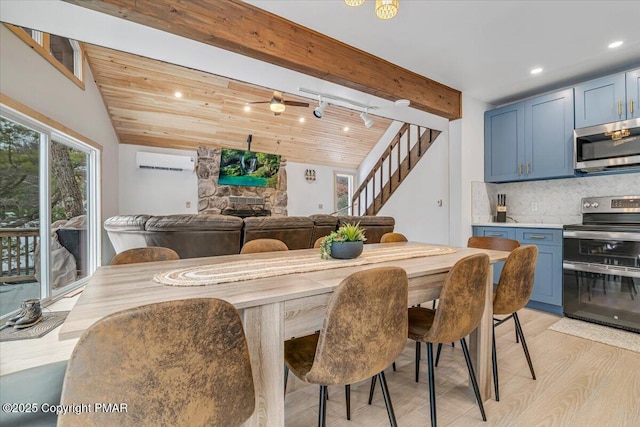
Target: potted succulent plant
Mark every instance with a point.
(345, 243)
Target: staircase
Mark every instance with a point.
(394, 165)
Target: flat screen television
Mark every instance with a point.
(247, 168)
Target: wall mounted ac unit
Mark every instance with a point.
(170, 162)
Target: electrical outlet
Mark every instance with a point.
(319, 205)
(534, 206)
(188, 204)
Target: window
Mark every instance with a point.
(49, 198)
(343, 193)
(63, 53)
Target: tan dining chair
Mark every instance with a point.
(175, 363)
(318, 242)
(263, 245)
(364, 330)
(149, 254)
(393, 238)
(458, 313)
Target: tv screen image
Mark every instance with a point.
(247, 168)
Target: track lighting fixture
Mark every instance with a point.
(319, 110)
(368, 121)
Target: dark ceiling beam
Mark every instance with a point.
(250, 31)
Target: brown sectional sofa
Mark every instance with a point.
(201, 235)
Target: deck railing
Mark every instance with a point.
(18, 250)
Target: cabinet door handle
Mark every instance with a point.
(619, 108)
(494, 234)
(528, 168)
(536, 236)
(631, 107)
(519, 168)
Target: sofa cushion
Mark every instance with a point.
(200, 222)
(126, 222)
(323, 225)
(294, 231)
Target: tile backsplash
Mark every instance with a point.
(554, 201)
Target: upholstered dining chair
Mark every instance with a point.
(393, 238)
(263, 245)
(513, 292)
(459, 312)
(148, 254)
(364, 330)
(177, 363)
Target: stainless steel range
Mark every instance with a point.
(601, 263)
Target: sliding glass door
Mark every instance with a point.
(48, 212)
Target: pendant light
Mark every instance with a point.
(386, 9)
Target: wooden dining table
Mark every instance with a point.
(274, 309)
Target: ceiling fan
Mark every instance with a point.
(277, 104)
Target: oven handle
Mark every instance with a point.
(602, 235)
(601, 269)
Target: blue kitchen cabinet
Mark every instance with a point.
(548, 136)
(633, 94)
(530, 140)
(504, 143)
(547, 287)
(601, 101)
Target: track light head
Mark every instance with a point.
(319, 110)
(368, 121)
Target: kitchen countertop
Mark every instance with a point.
(517, 224)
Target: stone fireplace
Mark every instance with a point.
(214, 198)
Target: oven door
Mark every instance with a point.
(601, 278)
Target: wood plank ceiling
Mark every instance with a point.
(139, 96)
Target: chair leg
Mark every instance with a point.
(524, 344)
(322, 413)
(417, 360)
(387, 399)
(472, 374)
(438, 354)
(347, 396)
(432, 385)
(494, 362)
(286, 378)
(372, 388)
(394, 366)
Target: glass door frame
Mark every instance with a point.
(49, 134)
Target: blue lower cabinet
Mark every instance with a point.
(547, 287)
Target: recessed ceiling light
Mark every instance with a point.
(616, 44)
(301, 119)
(247, 108)
(346, 128)
(536, 70)
(178, 94)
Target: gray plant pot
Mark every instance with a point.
(346, 250)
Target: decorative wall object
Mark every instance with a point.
(213, 198)
(310, 175)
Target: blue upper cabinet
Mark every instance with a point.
(548, 136)
(504, 143)
(601, 101)
(530, 140)
(633, 94)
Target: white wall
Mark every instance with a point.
(466, 164)
(414, 205)
(155, 192)
(305, 198)
(28, 78)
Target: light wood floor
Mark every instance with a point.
(580, 383)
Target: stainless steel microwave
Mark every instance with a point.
(610, 146)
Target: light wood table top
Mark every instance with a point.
(273, 309)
